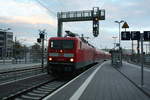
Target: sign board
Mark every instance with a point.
(125, 35)
(146, 35)
(135, 35)
(125, 25)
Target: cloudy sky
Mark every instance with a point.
(26, 17)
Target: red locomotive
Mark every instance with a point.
(68, 54)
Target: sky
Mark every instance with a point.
(26, 17)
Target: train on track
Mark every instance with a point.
(72, 53)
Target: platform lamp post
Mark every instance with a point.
(4, 50)
(119, 22)
(114, 37)
(120, 50)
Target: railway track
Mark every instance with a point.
(33, 89)
(37, 92)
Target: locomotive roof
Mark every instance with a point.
(63, 38)
(72, 38)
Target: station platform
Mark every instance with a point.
(133, 72)
(101, 82)
(10, 67)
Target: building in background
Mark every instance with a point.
(6, 45)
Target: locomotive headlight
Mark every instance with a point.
(50, 59)
(71, 59)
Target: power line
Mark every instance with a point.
(44, 6)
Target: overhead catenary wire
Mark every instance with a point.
(44, 6)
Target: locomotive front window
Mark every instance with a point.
(62, 44)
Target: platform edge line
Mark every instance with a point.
(81, 89)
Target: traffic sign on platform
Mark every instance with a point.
(146, 35)
(135, 35)
(125, 25)
(125, 35)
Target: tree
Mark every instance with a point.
(36, 52)
(19, 50)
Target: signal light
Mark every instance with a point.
(41, 36)
(50, 59)
(61, 51)
(39, 40)
(71, 60)
(95, 26)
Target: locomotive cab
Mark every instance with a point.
(61, 54)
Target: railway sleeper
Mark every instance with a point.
(35, 94)
(49, 89)
(43, 90)
(39, 92)
(30, 98)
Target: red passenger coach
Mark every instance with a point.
(68, 54)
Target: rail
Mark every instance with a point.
(37, 92)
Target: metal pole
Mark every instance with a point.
(138, 50)
(149, 47)
(60, 26)
(119, 37)
(120, 45)
(43, 54)
(114, 41)
(120, 49)
(142, 57)
(132, 51)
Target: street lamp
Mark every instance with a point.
(120, 50)
(119, 22)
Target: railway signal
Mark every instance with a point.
(42, 35)
(39, 40)
(86, 15)
(95, 15)
(95, 26)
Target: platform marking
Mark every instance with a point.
(49, 96)
(81, 89)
